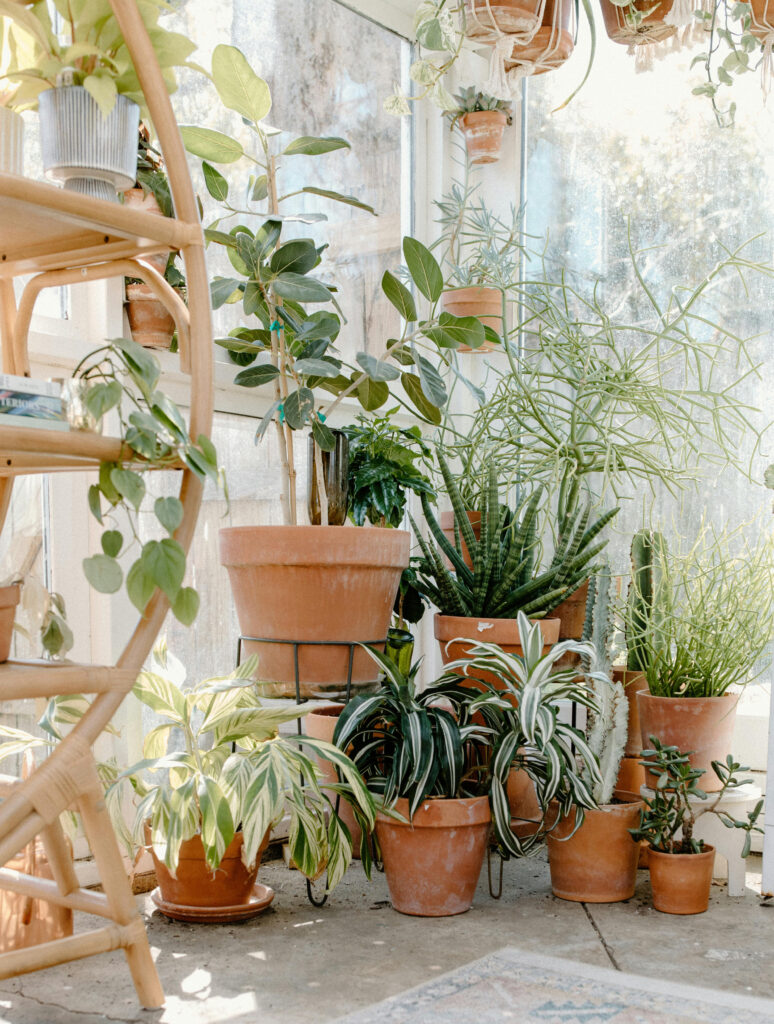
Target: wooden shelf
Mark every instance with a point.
(46, 228)
(20, 680)
(34, 450)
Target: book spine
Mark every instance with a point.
(7, 420)
(30, 386)
(41, 406)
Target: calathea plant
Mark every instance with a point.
(291, 348)
(122, 376)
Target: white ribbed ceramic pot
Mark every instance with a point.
(11, 142)
(91, 153)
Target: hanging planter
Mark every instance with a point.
(638, 21)
(483, 131)
(11, 142)
(488, 20)
(93, 154)
(550, 47)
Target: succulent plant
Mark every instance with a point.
(646, 598)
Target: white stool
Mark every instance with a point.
(728, 842)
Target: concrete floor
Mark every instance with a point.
(299, 965)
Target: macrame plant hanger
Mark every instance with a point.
(486, 22)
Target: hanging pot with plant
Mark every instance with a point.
(637, 22)
(482, 120)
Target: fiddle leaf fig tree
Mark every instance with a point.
(291, 308)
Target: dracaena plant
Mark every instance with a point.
(91, 50)
(506, 575)
(236, 771)
(122, 377)
(291, 346)
(454, 740)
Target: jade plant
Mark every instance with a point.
(122, 377)
(506, 575)
(290, 347)
(90, 50)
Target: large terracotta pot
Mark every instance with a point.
(650, 29)
(701, 726)
(320, 724)
(313, 583)
(432, 864)
(151, 323)
(447, 525)
(9, 598)
(762, 18)
(599, 863)
(486, 19)
(483, 131)
(230, 885)
(551, 46)
(681, 882)
(633, 682)
(484, 303)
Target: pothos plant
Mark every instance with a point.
(291, 348)
(122, 376)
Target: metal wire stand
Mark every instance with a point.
(296, 644)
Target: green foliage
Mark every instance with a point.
(471, 100)
(122, 376)
(646, 599)
(732, 50)
(669, 810)
(718, 615)
(153, 180)
(92, 48)
(236, 771)
(454, 740)
(506, 577)
(382, 470)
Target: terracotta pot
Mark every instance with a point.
(9, 598)
(447, 525)
(631, 775)
(762, 18)
(151, 323)
(483, 131)
(599, 863)
(572, 613)
(484, 303)
(681, 882)
(503, 632)
(551, 46)
(633, 682)
(26, 922)
(523, 802)
(650, 30)
(230, 885)
(486, 19)
(432, 864)
(320, 724)
(701, 726)
(313, 583)
(139, 199)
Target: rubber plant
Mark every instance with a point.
(291, 348)
(121, 376)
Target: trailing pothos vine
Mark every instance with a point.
(122, 377)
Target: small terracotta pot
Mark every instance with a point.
(447, 525)
(320, 724)
(701, 726)
(26, 922)
(681, 882)
(483, 131)
(551, 46)
(197, 886)
(633, 682)
(139, 199)
(313, 583)
(523, 802)
(432, 864)
(762, 18)
(631, 775)
(487, 19)
(151, 323)
(9, 598)
(572, 613)
(650, 30)
(599, 863)
(486, 304)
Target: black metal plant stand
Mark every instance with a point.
(296, 644)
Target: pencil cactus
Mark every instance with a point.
(608, 727)
(647, 606)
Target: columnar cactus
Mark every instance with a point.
(647, 609)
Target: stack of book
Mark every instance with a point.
(25, 402)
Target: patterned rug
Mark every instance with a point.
(514, 987)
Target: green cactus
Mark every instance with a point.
(647, 605)
(607, 728)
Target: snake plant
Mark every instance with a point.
(506, 577)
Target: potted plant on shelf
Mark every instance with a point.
(439, 762)
(506, 577)
(207, 811)
(482, 120)
(680, 864)
(278, 573)
(703, 639)
(596, 861)
(87, 90)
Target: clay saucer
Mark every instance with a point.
(259, 900)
